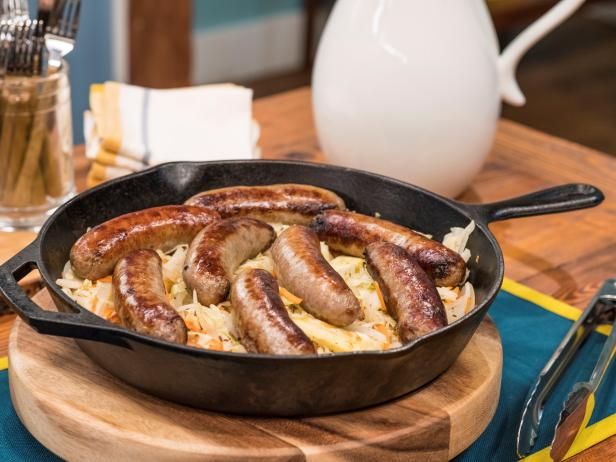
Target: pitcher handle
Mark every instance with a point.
(509, 58)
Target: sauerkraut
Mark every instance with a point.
(212, 327)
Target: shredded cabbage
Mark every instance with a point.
(212, 327)
(457, 238)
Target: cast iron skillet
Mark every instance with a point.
(266, 384)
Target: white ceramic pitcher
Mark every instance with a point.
(412, 88)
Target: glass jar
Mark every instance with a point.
(36, 148)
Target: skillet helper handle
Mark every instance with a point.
(562, 198)
(82, 324)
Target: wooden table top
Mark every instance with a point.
(565, 255)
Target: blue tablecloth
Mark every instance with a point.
(530, 333)
(531, 326)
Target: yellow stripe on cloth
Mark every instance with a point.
(99, 173)
(104, 172)
(92, 181)
(97, 111)
(549, 303)
(588, 437)
(113, 159)
(110, 122)
(96, 99)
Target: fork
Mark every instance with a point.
(15, 10)
(21, 46)
(61, 18)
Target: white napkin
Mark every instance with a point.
(129, 128)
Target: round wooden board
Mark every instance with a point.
(80, 412)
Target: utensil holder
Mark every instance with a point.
(36, 165)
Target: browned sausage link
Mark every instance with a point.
(95, 253)
(301, 268)
(261, 318)
(409, 293)
(140, 300)
(350, 233)
(217, 251)
(278, 203)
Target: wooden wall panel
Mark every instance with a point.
(160, 41)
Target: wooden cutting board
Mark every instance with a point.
(80, 412)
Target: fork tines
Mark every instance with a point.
(21, 47)
(14, 9)
(28, 46)
(64, 18)
(61, 28)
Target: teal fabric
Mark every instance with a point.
(210, 14)
(16, 443)
(529, 335)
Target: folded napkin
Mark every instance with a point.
(531, 325)
(129, 128)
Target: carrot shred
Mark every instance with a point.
(382, 329)
(105, 279)
(380, 295)
(295, 300)
(114, 318)
(108, 313)
(216, 344)
(193, 325)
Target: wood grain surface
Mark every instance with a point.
(160, 43)
(75, 408)
(564, 255)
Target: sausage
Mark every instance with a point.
(95, 253)
(217, 251)
(409, 293)
(350, 233)
(302, 269)
(140, 300)
(261, 319)
(277, 203)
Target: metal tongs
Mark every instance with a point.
(579, 405)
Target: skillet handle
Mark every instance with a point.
(82, 324)
(562, 198)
